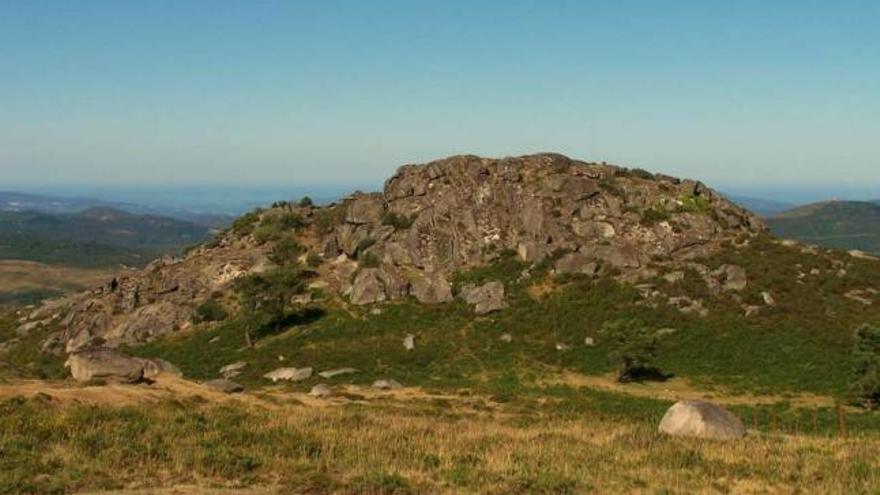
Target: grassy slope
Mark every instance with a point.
(801, 345)
(840, 224)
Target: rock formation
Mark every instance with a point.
(430, 221)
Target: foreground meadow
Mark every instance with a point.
(137, 439)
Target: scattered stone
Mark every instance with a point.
(860, 296)
(666, 331)
(689, 306)
(289, 374)
(674, 277)
(387, 384)
(336, 372)
(485, 298)
(280, 357)
(589, 342)
(104, 364)
(768, 299)
(751, 310)
(232, 370)
(506, 337)
(321, 391)
(214, 340)
(409, 342)
(562, 347)
(224, 385)
(701, 419)
(376, 311)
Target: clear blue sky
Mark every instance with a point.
(746, 92)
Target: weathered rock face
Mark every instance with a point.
(462, 211)
(139, 306)
(701, 419)
(430, 221)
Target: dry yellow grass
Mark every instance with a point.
(23, 276)
(410, 443)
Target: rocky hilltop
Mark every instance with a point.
(430, 221)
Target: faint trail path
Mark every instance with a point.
(680, 389)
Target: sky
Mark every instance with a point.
(750, 95)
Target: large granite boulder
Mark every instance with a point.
(105, 364)
(367, 287)
(701, 419)
(484, 298)
(430, 288)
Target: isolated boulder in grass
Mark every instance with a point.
(104, 364)
(387, 384)
(691, 418)
(289, 374)
(224, 385)
(485, 298)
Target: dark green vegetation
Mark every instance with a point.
(839, 224)
(25, 359)
(97, 237)
(867, 372)
(633, 348)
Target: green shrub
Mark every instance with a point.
(866, 386)
(286, 251)
(306, 202)
(368, 260)
(313, 259)
(363, 246)
(695, 204)
(641, 174)
(273, 227)
(653, 216)
(328, 218)
(245, 224)
(633, 347)
(211, 310)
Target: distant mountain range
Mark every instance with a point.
(11, 201)
(94, 237)
(761, 206)
(839, 224)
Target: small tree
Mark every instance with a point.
(266, 297)
(210, 310)
(306, 202)
(866, 387)
(633, 347)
